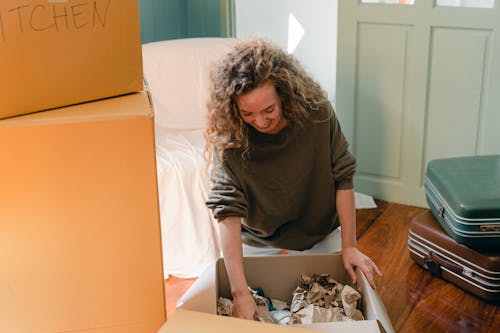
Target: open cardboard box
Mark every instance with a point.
(278, 276)
(80, 245)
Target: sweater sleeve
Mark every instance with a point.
(225, 197)
(343, 162)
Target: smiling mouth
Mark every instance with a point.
(263, 129)
(266, 125)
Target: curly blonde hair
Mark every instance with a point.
(250, 64)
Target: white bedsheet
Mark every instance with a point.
(190, 235)
(177, 74)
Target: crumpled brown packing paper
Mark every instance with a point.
(350, 298)
(317, 298)
(224, 307)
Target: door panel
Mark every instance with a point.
(416, 82)
(380, 94)
(456, 77)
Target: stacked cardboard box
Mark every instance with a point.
(55, 53)
(80, 239)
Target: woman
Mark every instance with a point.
(282, 175)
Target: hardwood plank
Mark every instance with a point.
(443, 307)
(366, 217)
(414, 299)
(385, 243)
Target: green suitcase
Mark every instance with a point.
(464, 196)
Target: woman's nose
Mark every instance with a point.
(260, 120)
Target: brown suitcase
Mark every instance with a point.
(477, 272)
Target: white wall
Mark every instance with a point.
(317, 50)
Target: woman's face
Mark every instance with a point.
(261, 108)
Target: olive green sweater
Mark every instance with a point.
(285, 190)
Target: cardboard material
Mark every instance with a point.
(197, 322)
(56, 53)
(278, 276)
(79, 220)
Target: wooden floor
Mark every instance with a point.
(415, 300)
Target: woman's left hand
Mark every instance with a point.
(352, 258)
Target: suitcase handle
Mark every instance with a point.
(434, 261)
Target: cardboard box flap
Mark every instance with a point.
(373, 306)
(193, 321)
(128, 106)
(201, 296)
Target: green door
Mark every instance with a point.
(416, 80)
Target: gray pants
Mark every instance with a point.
(330, 244)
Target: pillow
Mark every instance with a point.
(177, 73)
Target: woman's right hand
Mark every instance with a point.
(244, 306)
(230, 232)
